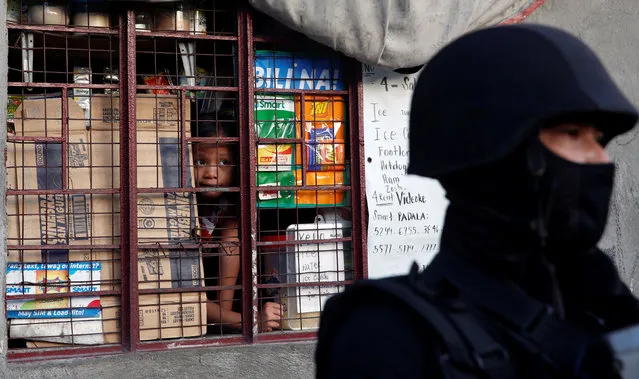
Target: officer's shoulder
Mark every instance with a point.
(363, 291)
(379, 299)
(389, 297)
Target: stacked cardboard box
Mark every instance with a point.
(82, 219)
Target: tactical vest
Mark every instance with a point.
(472, 325)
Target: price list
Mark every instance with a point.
(405, 212)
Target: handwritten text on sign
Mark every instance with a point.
(405, 212)
(318, 262)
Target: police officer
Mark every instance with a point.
(512, 121)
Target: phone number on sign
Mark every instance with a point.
(391, 249)
(381, 231)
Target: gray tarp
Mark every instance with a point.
(388, 33)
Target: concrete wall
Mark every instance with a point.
(292, 360)
(609, 26)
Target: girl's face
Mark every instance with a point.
(213, 167)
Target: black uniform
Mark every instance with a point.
(519, 288)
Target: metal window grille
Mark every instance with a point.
(188, 173)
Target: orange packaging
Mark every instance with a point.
(320, 178)
(323, 126)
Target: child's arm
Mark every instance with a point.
(220, 310)
(217, 314)
(229, 263)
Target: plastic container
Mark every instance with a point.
(173, 19)
(143, 21)
(47, 13)
(14, 11)
(87, 18)
(197, 21)
(314, 262)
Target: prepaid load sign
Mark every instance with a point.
(53, 278)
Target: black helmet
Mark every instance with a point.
(482, 95)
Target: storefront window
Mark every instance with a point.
(184, 173)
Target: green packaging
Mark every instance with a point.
(274, 116)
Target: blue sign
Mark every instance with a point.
(281, 70)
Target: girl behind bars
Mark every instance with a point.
(216, 165)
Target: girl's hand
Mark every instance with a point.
(270, 317)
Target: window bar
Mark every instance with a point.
(358, 181)
(248, 205)
(302, 135)
(183, 147)
(128, 183)
(65, 136)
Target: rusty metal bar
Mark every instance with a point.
(128, 182)
(213, 139)
(304, 242)
(61, 28)
(303, 136)
(300, 91)
(310, 188)
(193, 190)
(34, 139)
(281, 140)
(247, 166)
(187, 35)
(62, 247)
(156, 291)
(358, 179)
(235, 189)
(65, 137)
(288, 337)
(61, 85)
(307, 284)
(61, 295)
(68, 191)
(188, 88)
(183, 148)
(166, 246)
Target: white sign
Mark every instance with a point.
(317, 262)
(405, 213)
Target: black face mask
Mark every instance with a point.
(498, 207)
(575, 201)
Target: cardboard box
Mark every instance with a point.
(93, 159)
(163, 316)
(76, 219)
(162, 217)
